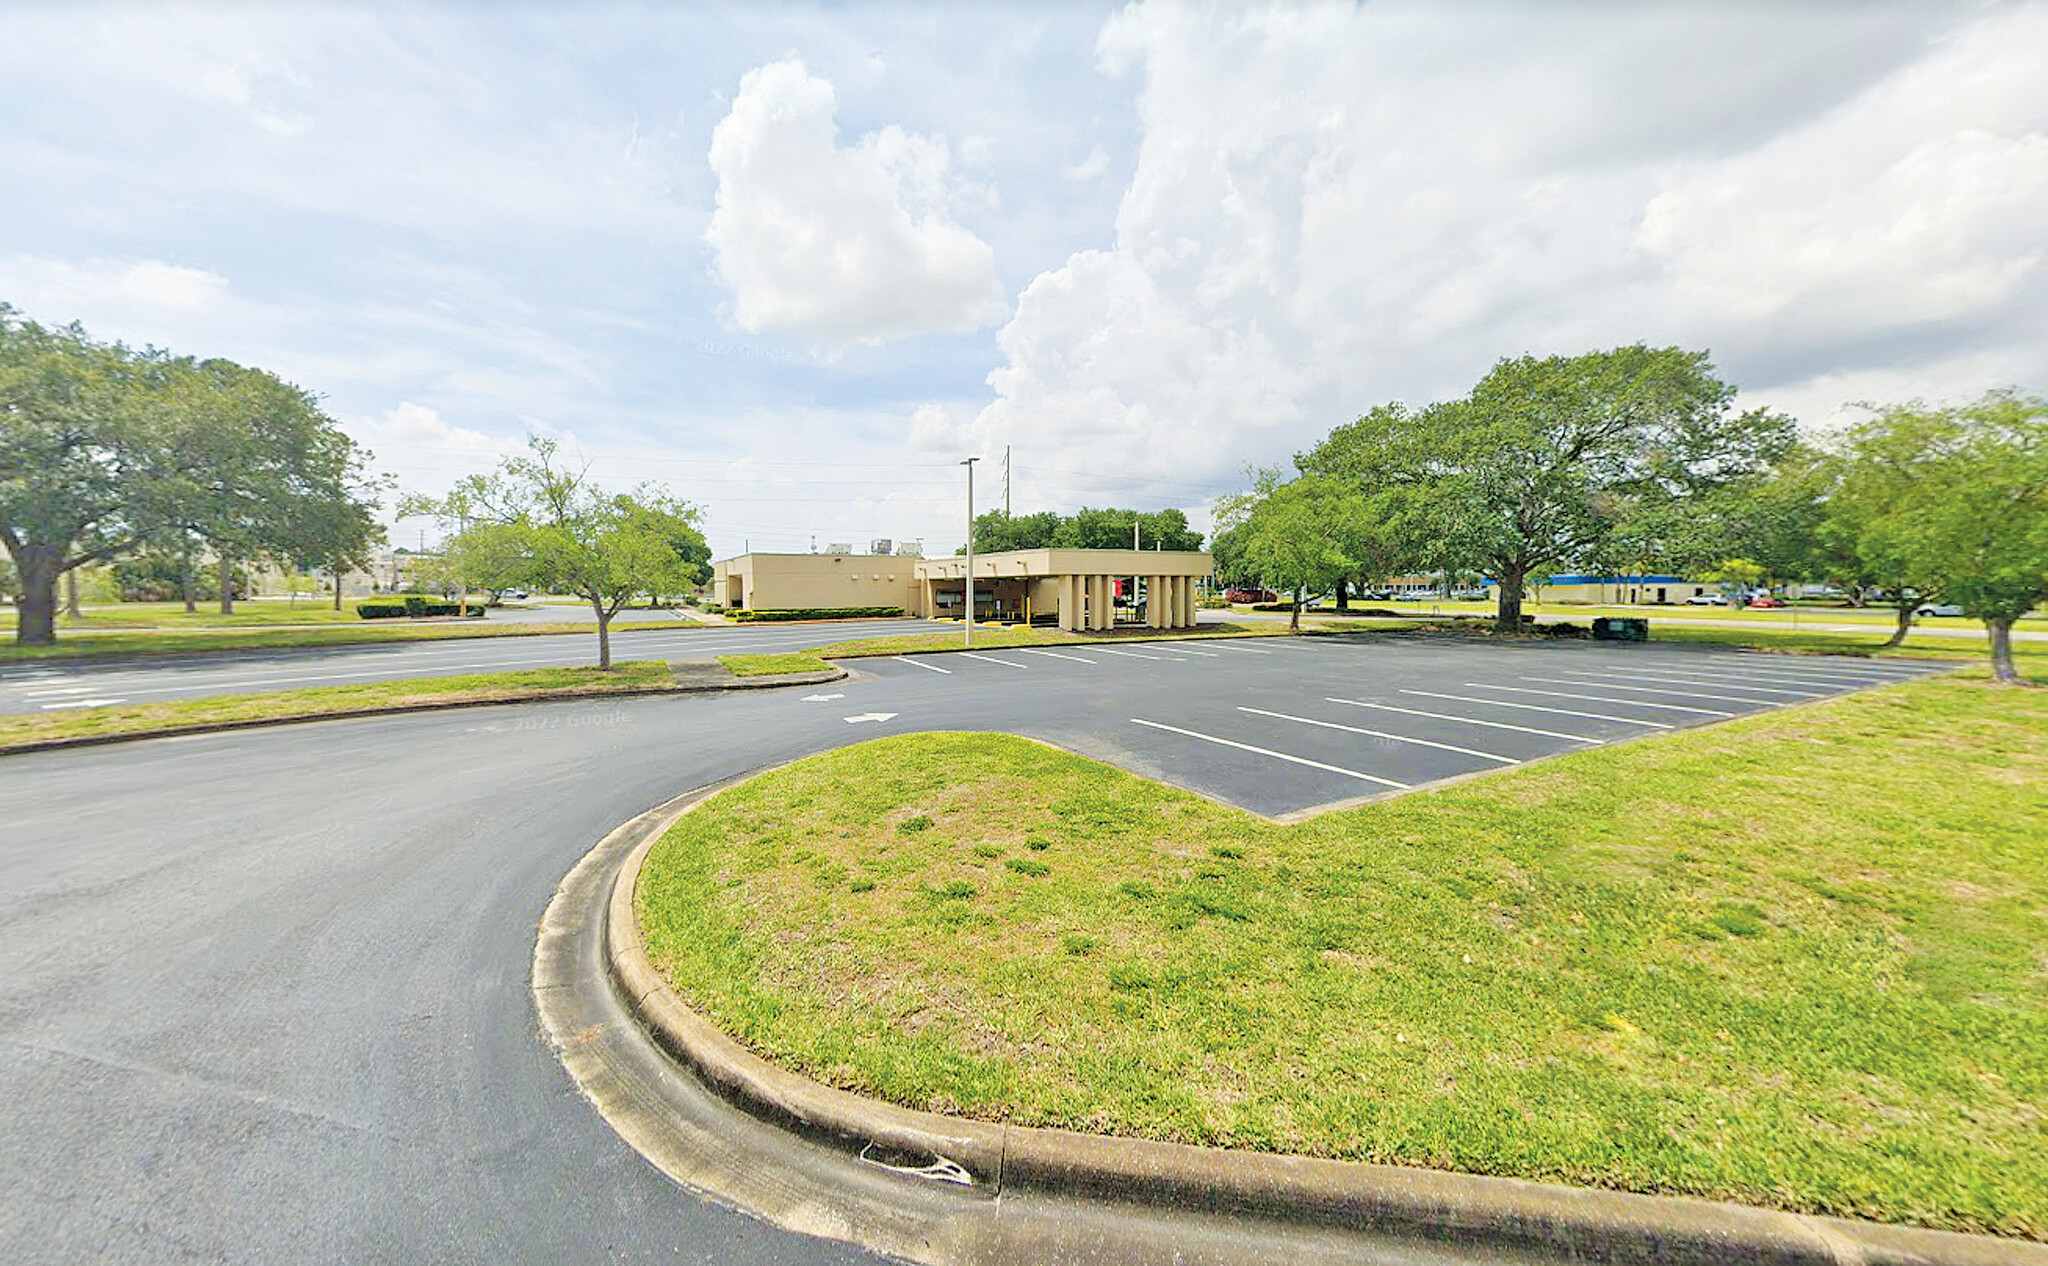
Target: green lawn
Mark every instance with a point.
(331, 701)
(1798, 960)
(249, 613)
(773, 665)
(173, 640)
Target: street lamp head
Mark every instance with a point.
(970, 461)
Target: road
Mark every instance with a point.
(46, 686)
(264, 994)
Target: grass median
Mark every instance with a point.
(181, 641)
(1798, 960)
(773, 665)
(135, 720)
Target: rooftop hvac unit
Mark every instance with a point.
(910, 549)
(839, 547)
(880, 545)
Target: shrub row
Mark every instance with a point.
(413, 606)
(815, 613)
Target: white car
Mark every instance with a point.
(1706, 600)
(1939, 608)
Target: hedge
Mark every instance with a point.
(413, 606)
(813, 613)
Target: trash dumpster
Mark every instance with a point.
(1621, 628)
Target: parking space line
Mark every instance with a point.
(1178, 649)
(918, 663)
(1701, 679)
(1105, 650)
(1534, 707)
(990, 659)
(1828, 672)
(1026, 650)
(1445, 716)
(1633, 703)
(1397, 738)
(1266, 751)
(1242, 650)
(1697, 692)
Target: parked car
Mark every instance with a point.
(1250, 595)
(512, 595)
(1766, 600)
(1939, 608)
(1706, 600)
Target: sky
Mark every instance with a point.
(795, 262)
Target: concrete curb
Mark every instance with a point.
(259, 723)
(1429, 1210)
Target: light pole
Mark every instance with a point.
(969, 464)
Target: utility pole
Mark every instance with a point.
(969, 464)
(1006, 481)
(1134, 532)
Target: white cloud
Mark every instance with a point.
(116, 291)
(840, 244)
(1336, 205)
(1089, 168)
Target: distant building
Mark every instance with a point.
(1073, 588)
(1613, 590)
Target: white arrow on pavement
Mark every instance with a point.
(821, 698)
(869, 716)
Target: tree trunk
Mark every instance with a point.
(604, 637)
(71, 607)
(1905, 625)
(188, 584)
(227, 585)
(1294, 617)
(2002, 669)
(36, 615)
(1507, 615)
(337, 586)
(1343, 596)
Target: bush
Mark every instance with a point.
(413, 606)
(814, 613)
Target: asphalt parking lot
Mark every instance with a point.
(1282, 726)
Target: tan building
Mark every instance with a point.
(783, 582)
(1073, 588)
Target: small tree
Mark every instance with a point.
(1967, 493)
(1301, 535)
(533, 523)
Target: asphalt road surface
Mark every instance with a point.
(46, 686)
(264, 994)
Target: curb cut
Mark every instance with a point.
(448, 705)
(1267, 1198)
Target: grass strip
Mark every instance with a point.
(773, 665)
(194, 641)
(1798, 960)
(331, 701)
(998, 639)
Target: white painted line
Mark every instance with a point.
(1398, 738)
(1104, 650)
(1559, 694)
(1531, 707)
(918, 663)
(1263, 751)
(81, 703)
(1177, 649)
(1445, 716)
(1697, 692)
(60, 690)
(1057, 655)
(870, 716)
(821, 698)
(1700, 679)
(1242, 650)
(990, 659)
(1777, 666)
